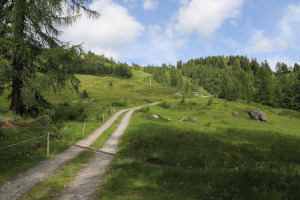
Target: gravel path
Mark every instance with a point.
(85, 184)
(16, 187)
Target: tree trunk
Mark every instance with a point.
(17, 106)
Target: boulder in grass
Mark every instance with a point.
(257, 115)
(154, 116)
(235, 113)
(253, 114)
(178, 94)
(262, 116)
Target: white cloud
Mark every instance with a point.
(263, 44)
(157, 47)
(272, 60)
(150, 4)
(287, 34)
(169, 32)
(205, 16)
(289, 26)
(259, 43)
(108, 53)
(114, 29)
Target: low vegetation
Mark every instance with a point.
(220, 157)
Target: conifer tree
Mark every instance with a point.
(265, 87)
(296, 90)
(32, 58)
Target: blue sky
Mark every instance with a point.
(155, 32)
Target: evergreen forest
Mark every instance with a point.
(234, 77)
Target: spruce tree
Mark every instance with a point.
(32, 58)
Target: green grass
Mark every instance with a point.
(49, 188)
(220, 157)
(71, 112)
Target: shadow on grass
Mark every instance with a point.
(162, 162)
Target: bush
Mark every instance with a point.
(210, 101)
(72, 116)
(193, 103)
(110, 83)
(84, 94)
(119, 104)
(165, 104)
(182, 102)
(144, 110)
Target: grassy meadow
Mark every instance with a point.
(72, 110)
(211, 154)
(220, 156)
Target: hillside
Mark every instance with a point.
(71, 111)
(220, 156)
(211, 154)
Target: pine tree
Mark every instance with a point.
(264, 85)
(296, 90)
(228, 89)
(32, 57)
(254, 65)
(187, 85)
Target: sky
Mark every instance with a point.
(153, 32)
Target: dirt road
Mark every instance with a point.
(16, 187)
(85, 184)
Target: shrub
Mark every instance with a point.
(210, 101)
(144, 110)
(110, 83)
(182, 102)
(119, 104)
(84, 94)
(164, 104)
(71, 116)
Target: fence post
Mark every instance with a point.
(114, 109)
(48, 145)
(83, 129)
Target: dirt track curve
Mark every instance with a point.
(18, 186)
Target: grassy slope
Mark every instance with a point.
(219, 157)
(68, 122)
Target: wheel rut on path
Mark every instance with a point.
(85, 184)
(19, 185)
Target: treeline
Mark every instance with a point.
(235, 77)
(102, 66)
